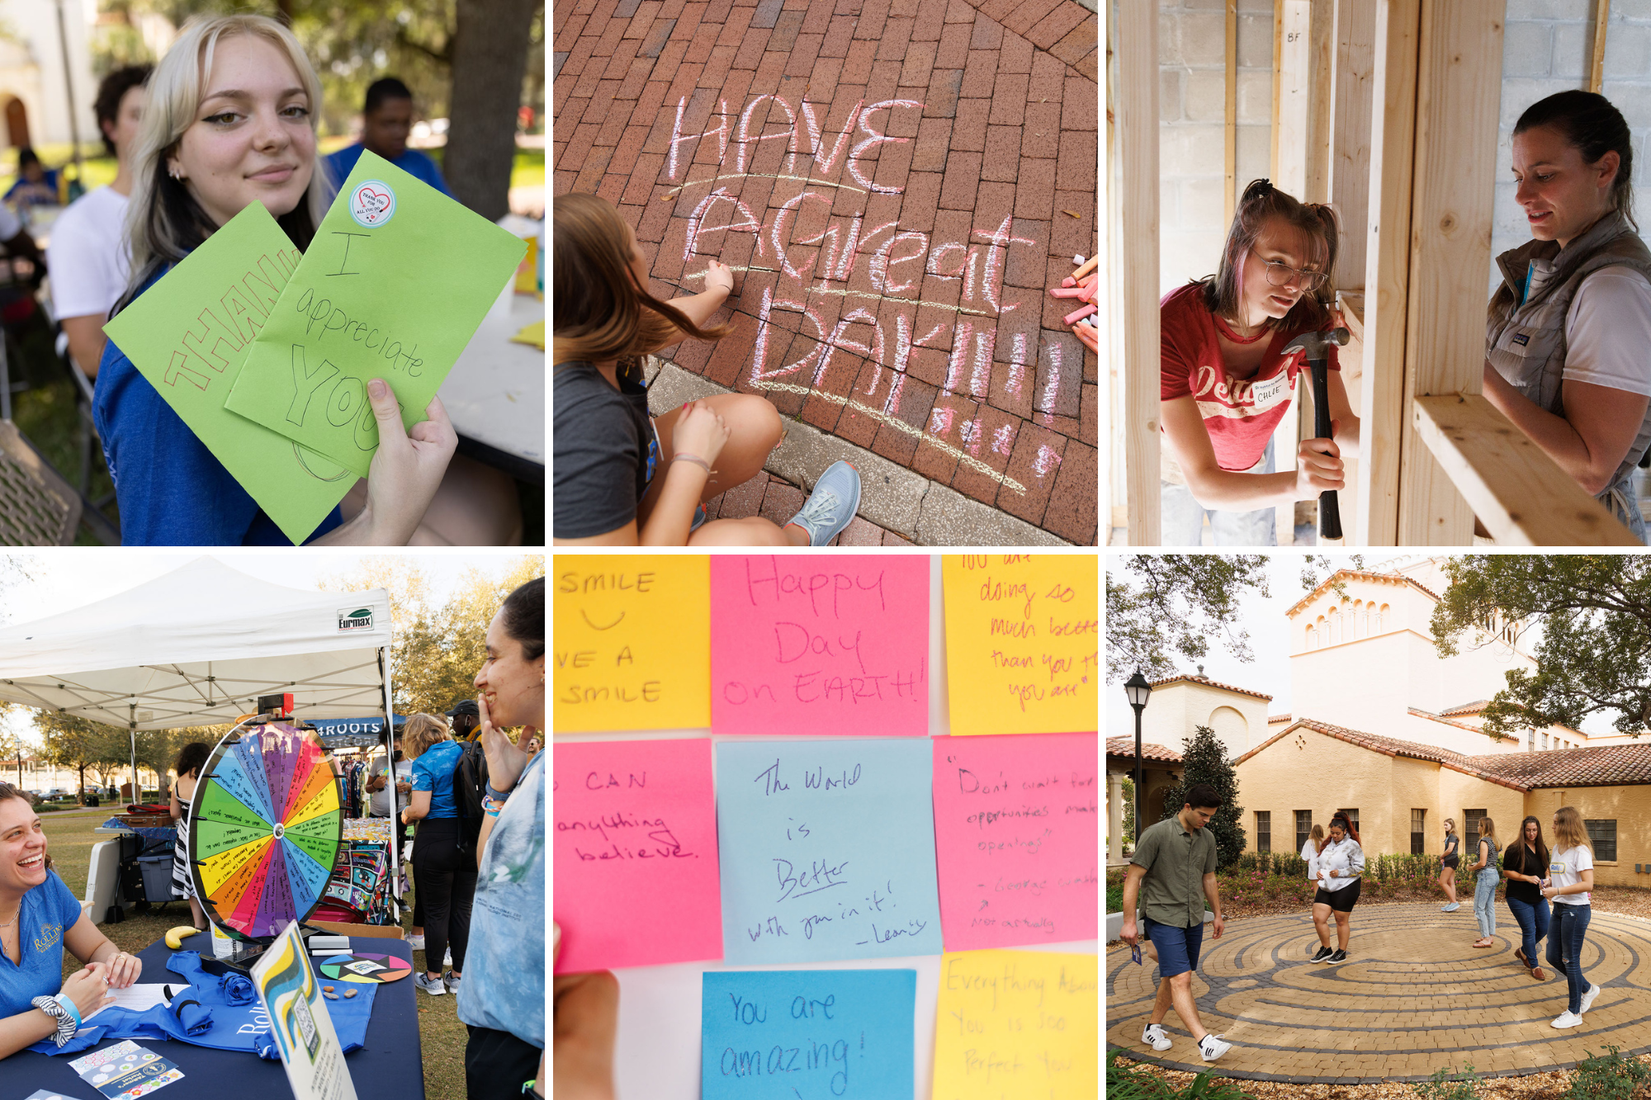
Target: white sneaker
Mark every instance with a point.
(447, 958)
(1568, 1019)
(1213, 1047)
(1153, 1035)
(416, 943)
(1588, 998)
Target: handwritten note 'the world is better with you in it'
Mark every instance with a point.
(394, 285)
(827, 850)
(1016, 824)
(820, 645)
(1022, 642)
(632, 642)
(1017, 1024)
(635, 858)
(814, 1034)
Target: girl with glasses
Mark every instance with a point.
(1225, 382)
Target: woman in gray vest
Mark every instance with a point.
(1568, 331)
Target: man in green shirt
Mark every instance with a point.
(1171, 874)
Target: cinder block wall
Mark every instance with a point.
(1547, 49)
(1192, 61)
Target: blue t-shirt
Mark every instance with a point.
(48, 911)
(433, 772)
(411, 161)
(172, 491)
(504, 986)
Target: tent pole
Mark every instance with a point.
(390, 767)
(132, 732)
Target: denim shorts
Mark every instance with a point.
(1177, 947)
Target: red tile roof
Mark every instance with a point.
(1278, 718)
(1125, 746)
(1392, 746)
(1593, 766)
(1357, 574)
(1466, 708)
(1208, 683)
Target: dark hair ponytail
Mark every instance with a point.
(1595, 127)
(1260, 203)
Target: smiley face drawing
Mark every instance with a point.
(372, 203)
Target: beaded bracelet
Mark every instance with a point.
(684, 456)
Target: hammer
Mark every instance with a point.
(1314, 344)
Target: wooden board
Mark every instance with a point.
(1518, 492)
(1135, 92)
(1596, 73)
(1387, 269)
(1457, 112)
(1230, 131)
(1292, 106)
(1353, 81)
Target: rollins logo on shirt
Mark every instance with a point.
(1241, 398)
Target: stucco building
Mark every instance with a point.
(41, 59)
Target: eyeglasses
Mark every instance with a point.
(1282, 274)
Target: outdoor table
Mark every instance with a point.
(495, 394)
(390, 1064)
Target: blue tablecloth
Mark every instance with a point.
(152, 837)
(390, 1066)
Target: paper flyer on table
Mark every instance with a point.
(126, 1071)
(190, 335)
(299, 1021)
(394, 285)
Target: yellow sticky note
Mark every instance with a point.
(1017, 1025)
(632, 643)
(1023, 643)
(533, 335)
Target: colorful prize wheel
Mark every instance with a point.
(264, 829)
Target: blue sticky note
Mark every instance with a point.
(807, 1034)
(827, 850)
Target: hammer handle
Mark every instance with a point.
(1329, 512)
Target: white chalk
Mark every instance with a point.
(1077, 261)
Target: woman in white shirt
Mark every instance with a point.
(1570, 878)
(1340, 864)
(1310, 852)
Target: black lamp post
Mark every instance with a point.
(1138, 690)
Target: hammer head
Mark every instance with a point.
(1316, 343)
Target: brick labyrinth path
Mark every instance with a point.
(896, 184)
(1412, 998)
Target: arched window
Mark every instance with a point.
(1335, 626)
(1364, 621)
(1312, 640)
(1384, 617)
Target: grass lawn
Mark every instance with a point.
(70, 838)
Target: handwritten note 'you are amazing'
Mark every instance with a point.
(1017, 1024)
(820, 645)
(1022, 643)
(631, 643)
(635, 854)
(827, 850)
(1015, 825)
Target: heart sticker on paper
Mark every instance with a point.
(372, 203)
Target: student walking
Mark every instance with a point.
(1340, 867)
(1525, 864)
(1172, 874)
(1447, 874)
(1570, 880)
(1310, 851)
(1484, 887)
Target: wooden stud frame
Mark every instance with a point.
(1135, 62)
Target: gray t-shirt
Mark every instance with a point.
(1176, 861)
(380, 800)
(600, 458)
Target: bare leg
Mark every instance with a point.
(751, 531)
(198, 913)
(1180, 990)
(754, 430)
(1160, 1007)
(1344, 929)
(1321, 922)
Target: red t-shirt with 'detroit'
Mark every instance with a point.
(1239, 413)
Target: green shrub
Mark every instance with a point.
(1607, 1076)
(1137, 1083)
(1444, 1086)
(1114, 899)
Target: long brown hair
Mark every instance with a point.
(1539, 853)
(600, 311)
(1568, 829)
(7, 791)
(1261, 203)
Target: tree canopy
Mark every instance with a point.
(1594, 653)
(1169, 606)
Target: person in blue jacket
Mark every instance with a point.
(231, 121)
(386, 120)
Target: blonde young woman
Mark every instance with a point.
(1484, 887)
(1447, 873)
(1569, 885)
(230, 121)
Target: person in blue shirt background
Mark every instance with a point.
(386, 119)
(36, 184)
(444, 869)
(39, 917)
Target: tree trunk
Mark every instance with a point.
(490, 48)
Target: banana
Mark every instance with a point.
(176, 936)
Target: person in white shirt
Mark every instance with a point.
(1570, 880)
(1339, 867)
(88, 253)
(1310, 852)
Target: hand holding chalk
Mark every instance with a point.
(718, 276)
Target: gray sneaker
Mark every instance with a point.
(451, 981)
(434, 988)
(831, 506)
(1451, 908)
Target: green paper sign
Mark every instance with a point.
(190, 335)
(394, 285)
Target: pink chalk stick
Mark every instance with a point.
(1084, 312)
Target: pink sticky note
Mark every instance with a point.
(1016, 831)
(636, 853)
(820, 645)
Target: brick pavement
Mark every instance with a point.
(1412, 998)
(896, 183)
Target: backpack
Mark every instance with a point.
(469, 788)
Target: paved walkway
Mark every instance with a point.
(896, 184)
(1412, 998)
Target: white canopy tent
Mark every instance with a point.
(197, 647)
